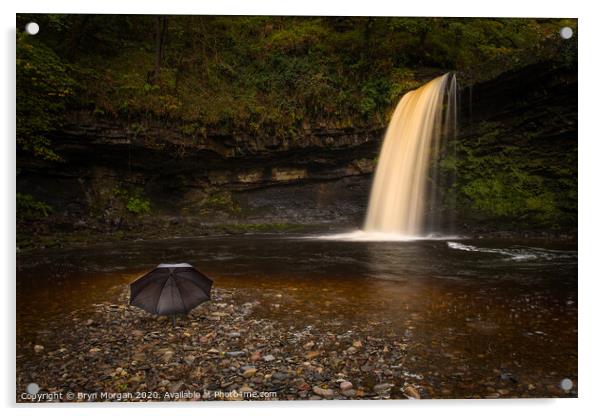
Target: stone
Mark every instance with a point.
(348, 393)
(235, 354)
(38, 348)
(346, 385)
(268, 358)
(303, 386)
(382, 388)
(249, 372)
(139, 357)
(167, 356)
(189, 359)
(312, 354)
(309, 345)
(411, 393)
(280, 376)
(326, 393)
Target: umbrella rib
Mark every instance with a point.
(180, 293)
(163, 288)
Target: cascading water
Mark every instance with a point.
(407, 186)
(398, 199)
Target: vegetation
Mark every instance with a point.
(265, 76)
(29, 207)
(138, 205)
(516, 178)
(272, 78)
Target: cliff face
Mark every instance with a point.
(517, 152)
(116, 174)
(321, 176)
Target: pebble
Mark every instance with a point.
(312, 354)
(279, 376)
(38, 348)
(326, 393)
(249, 372)
(139, 357)
(411, 393)
(348, 393)
(268, 358)
(346, 385)
(382, 388)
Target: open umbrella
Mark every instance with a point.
(170, 289)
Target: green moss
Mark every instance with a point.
(512, 177)
(138, 205)
(221, 201)
(31, 208)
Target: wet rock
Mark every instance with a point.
(349, 393)
(345, 385)
(382, 388)
(139, 357)
(325, 393)
(411, 393)
(303, 386)
(167, 356)
(309, 345)
(176, 386)
(94, 351)
(249, 372)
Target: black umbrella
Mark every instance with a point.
(170, 289)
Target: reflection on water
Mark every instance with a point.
(466, 309)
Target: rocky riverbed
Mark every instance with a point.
(219, 351)
(226, 349)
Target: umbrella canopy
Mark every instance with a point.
(170, 289)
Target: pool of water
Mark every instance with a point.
(468, 310)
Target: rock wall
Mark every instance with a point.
(321, 176)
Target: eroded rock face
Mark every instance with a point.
(321, 175)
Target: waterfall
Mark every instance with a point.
(408, 162)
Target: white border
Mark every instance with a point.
(590, 138)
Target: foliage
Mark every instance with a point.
(268, 76)
(221, 201)
(138, 205)
(29, 207)
(516, 182)
(43, 87)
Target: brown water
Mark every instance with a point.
(471, 313)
